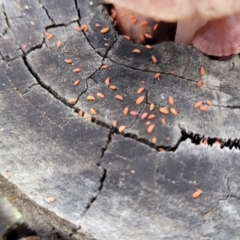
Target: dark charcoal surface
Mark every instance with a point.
(75, 177)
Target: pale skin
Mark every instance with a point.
(174, 10)
(191, 16)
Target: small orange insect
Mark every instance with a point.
(140, 90)
(49, 35)
(209, 102)
(81, 113)
(157, 75)
(154, 140)
(125, 110)
(140, 100)
(197, 104)
(148, 46)
(163, 121)
(107, 81)
(133, 113)
(197, 194)
(136, 50)
(151, 107)
(114, 124)
(90, 98)
(72, 100)
(113, 87)
(151, 128)
(202, 71)
(98, 25)
(105, 66)
(151, 116)
(163, 110)
(58, 44)
(155, 27)
(119, 97)
(147, 35)
(68, 61)
(76, 82)
(171, 100)
(173, 111)
(121, 128)
(76, 70)
(199, 83)
(100, 95)
(154, 59)
(84, 28)
(93, 111)
(144, 115)
(203, 108)
(105, 30)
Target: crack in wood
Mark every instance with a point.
(198, 139)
